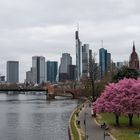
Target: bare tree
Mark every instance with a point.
(93, 74)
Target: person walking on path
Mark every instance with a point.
(91, 130)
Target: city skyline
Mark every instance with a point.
(47, 28)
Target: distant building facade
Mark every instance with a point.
(134, 59)
(85, 60)
(31, 76)
(12, 71)
(51, 71)
(66, 60)
(38, 63)
(2, 79)
(119, 65)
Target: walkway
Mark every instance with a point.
(93, 131)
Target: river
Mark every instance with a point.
(31, 117)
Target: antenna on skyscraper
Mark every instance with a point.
(78, 27)
(77, 32)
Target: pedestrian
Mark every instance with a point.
(84, 122)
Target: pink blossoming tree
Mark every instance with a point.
(122, 98)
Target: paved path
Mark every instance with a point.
(93, 131)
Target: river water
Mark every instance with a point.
(31, 117)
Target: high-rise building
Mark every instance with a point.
(90, 64)
(66, 60)
(72, 72)
(51, 71)
(134, 59)
(108, 62)
(31, 76)
(78, 55)
(85, 60)
(38, 63)
(104, 61)
(2, 79)
(12, 71)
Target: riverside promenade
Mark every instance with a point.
(90, 127)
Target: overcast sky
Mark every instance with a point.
(47, 28)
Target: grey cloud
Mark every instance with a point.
(46, 27)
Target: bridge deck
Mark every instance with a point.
(23, 89)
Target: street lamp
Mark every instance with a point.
(105, 134)
(86, 137)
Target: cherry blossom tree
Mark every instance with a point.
(122, 98)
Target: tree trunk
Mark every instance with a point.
(93, 95)
(130, 119)
(117, 119)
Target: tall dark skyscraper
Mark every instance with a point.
(72, 72)
(13, 71)
(52, 71)
(38, 63)
(108, 62)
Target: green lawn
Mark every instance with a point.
(73, 121)
(123, 132)
(73, 128)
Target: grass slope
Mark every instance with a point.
(123, 132)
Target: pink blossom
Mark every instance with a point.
(120, 98)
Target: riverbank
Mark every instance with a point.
(75, 132)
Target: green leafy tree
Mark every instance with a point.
(125, 72)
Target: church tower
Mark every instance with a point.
(134, 59)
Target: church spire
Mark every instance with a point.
(134, 59)
(133, 46)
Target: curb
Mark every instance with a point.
(77, 129)
(70, 134)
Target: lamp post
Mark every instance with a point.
(85, 125)
(105, 134)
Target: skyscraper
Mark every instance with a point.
(91, 68)
(72, 72)
(108, 62)
(12, 71)
(134, 59)
(104, 61)
(78, 55)
(51, 70)
(31, 76)
(66, 60)
(85, 60)
(38, 63)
